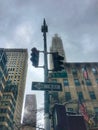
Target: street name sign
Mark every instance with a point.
(46, 86)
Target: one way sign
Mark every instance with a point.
(46, 86)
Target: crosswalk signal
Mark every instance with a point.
(34, 57)
(57, 61)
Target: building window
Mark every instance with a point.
(54, 80)
(88, 82)
(55, 96)
(76, 81)
(94, 70)
(97, 81)
(96, 115)
(96, 110)
(92, 95)
(74, 71)
(70, 109)
(80, 95)
(67, 96)
(65, 82)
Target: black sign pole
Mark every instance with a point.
(44, 29)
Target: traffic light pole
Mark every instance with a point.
(44, 29)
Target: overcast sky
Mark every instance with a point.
(75, 21)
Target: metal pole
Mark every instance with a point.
(44, 29)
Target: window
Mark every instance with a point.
(96, 110)
(94, 70)
(88, 82)
(54, 80)
(83, 69)
(92, 95)
(77, 83)
(97, 81)
(80, 95)
(0, 74)
(70, 109)
(64, 74)
(55, 96)
(65, 82)
(96, 115)
(74, 71)
(67, 96)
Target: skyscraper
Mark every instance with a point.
(30, 110)
(57, 46)
(3, 71)
(8, 95)
(17, 69)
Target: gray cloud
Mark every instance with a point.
(75, 21)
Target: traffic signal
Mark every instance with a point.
(57, 61)
(34, 57)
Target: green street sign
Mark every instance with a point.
(46, 86)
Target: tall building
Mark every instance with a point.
(79, 83)
(57, 46)
(17, 69)
(3, 71)
(30, 110)
(8, 95)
